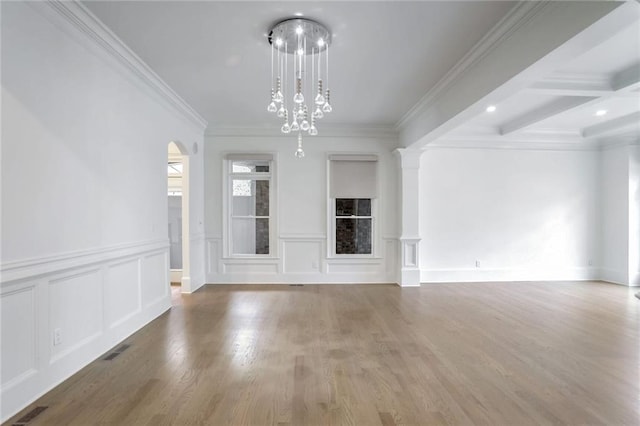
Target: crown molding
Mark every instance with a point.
(83, 20)
(327, 131)
(513, 145)
(547, 139)
(519, 15)
(620, 142)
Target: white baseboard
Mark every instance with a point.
(614, 276)
(508, 274)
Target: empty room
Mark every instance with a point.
(320, 213)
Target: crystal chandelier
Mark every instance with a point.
(300, 49)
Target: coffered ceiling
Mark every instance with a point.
(589, 100)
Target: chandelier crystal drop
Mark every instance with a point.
(300, 63)
(299, 152)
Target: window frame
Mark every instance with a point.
(376, 242)
(229, 177)
(334, 239)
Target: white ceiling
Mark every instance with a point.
(385, 55)
(560, 108)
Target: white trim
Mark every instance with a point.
(82, 19)
(512, 145)
(509, 274)
(303, 237)
(614, 276)
(614, 143)
(353, 157)
(249, 157)
(519, 15)
(33, 267)
(327, 131)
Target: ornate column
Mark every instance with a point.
(410, 218)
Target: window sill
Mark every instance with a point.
(251, 258)
(351, 258)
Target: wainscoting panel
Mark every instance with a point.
(302, 260)
(213, 255)
(17, 307)
(84, 322)
(154, 270)
(123, 291)
(355, 268)
(249, 268)
(301, 256)
(90, 300)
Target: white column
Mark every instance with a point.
(410, 218)
(186, 228)
(634, 216)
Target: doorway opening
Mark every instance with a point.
(178, 216)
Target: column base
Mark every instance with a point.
(409, 277)
(186, 285)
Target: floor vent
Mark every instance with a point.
(111, 356)
(30, 416)
(123, 348)
(116, 352)
(296, 285)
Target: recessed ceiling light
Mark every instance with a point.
(491, 108)
(601, 112)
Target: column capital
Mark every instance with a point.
(409, 158)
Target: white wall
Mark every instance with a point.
(615, 214)
(84, 198)
(301, 212)
(523, 214)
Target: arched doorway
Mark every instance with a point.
(178, 215)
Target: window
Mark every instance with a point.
(352, 192)
(353, 224)
(249, 204)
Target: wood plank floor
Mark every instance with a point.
(481, 353)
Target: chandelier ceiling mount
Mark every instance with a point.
(299, 75)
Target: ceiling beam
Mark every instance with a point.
(627, 79)
(548, 110)
(613, 127)
(566, 84)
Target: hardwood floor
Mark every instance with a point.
(481, 353)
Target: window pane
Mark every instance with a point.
(250, 236)
(262, 236)
(243, 200)
(353, 236)
(250, 166)
(174, 169)
(353, 207)
(241, 188)
(250, 197)
(262, 197)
